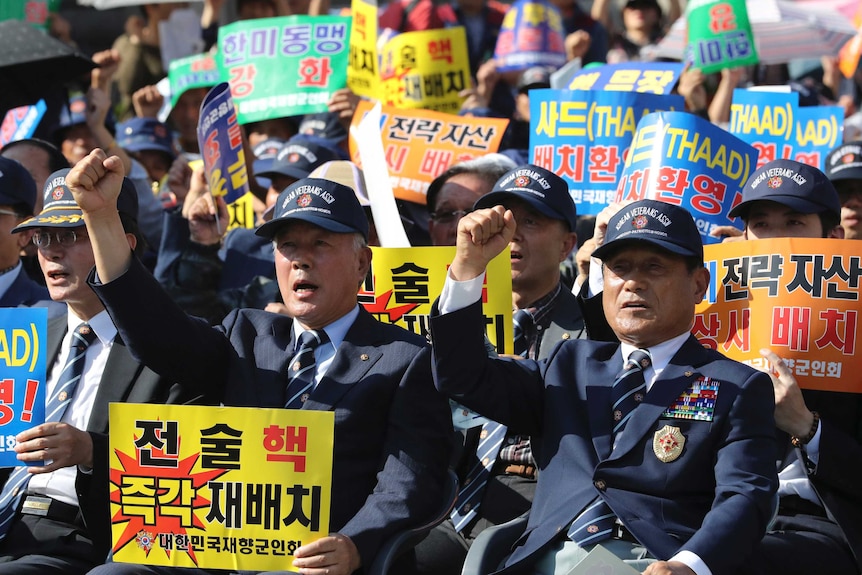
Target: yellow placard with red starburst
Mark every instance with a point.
(404, 282)
(218, 487)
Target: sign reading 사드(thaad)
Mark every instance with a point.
(218, 487)
(798, 297)
(23, 341)
(406, 281)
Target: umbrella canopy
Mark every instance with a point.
(31, 63)
(783, 31)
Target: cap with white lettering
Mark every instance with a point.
(844, 162)
(324, 203)
(544, 190)
(798, 186)
(650, 221)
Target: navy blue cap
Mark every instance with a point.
(62, 211)
(265, 153)
(545, 191)
(324, 125)
(297, 158)
(844, 162)
(76, 113)
(16, 185)
(324, 203)
(145, 134)
(798, 186)
(664, 225)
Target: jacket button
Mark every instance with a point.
(600, 484)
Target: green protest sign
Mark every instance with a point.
(198, 71)
(35, 12)
(719, 35)
(286, 66)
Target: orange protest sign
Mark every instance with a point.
(798, 297)
(421, 144)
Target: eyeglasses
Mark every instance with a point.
(449, 217)
(65, 238)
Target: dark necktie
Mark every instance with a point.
(596, 522)
(303, 367)
(55, 407)
(470, 496)
(629, 388)
(522, 325)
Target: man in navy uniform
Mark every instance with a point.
(393, 431)
(621, 461)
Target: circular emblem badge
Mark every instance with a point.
(639, 221)
(522, 181)
(847, 158)
(57, 193)
(293, 158)
(774, 182)
(304, 200)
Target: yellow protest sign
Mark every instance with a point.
(405, 282)
(798, 297)
(426, 69)
(218, 487)
(362, 63)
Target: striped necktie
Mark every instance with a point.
(470, 496)
(302, 368)
(522, 325)
(16, 484)
(629, 388)
(596, 522)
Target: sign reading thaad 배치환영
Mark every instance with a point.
(684, 160)
(218, 487)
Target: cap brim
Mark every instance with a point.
(854, 173)
(289, 171)
(60, 218)
(605, 250)
(270, 228)
(801, 205)
(499, 198)
(147, 147)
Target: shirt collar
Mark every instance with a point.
(336, 331)
(660, 354)
(100, 323)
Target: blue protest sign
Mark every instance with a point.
(649, 77)
(684, 160)
(583, 137)
(778, 128)
(23, 344)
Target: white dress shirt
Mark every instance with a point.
(60, 484)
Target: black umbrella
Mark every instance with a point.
(32, 62)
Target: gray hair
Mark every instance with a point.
(490, 167)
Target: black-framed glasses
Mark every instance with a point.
(65, 238)
(449, 217)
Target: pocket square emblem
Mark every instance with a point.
(667, 443)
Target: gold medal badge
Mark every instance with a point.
(667, 443)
